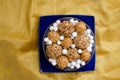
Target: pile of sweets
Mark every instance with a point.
(69, 44)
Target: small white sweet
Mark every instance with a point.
(89, 49)
(90, 45)
(58, 21)
(76, 21)
(91, 37)
(71, 66)
(72, 37)
(74, 34)
(54, 63)
(51, 28)
(46, 39)
(49, 42)
(68, 65)
(77, 66)
(55, 28)
(79, 51)
(64, 51)
(61, 37)
(88, 31)
(73, 63)
(91, 41)
(73, 46)
(54, 24)
(82, 63)
(58, 42)
(72, 20)
(50, 60)
(78, 61)
(88, 35)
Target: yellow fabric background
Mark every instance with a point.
(19, 39)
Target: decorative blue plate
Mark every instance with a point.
(44, 23)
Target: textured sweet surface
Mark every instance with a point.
(72, 54)
(53, 36)
(67, 42)
(66, 28)
(53, 51)
(62, 62)
(82, 41)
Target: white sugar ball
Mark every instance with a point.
(90, 45)
(49, 42)
(88, 35)
(58, 21)
(72, 20)
(58, 42)
(51, 28)
(89, 49)
(64, 51)
(91, 41)
(74, 34)
(61, 37)
(54, 24)
(76, 21)
(78, 61)
(55, 28)
(77, 66)
(46, 39)
(79, 51)
(51, 60)
(73, 46)
(91, 37)
(71, 66)
(54, 63)
(68, 65)
(82, 63)
(73, 63)
(88, 31)
(72, 37)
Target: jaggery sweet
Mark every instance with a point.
(62, 62)
(72, 54)
(67, 42)
(53, 51)
(80, 27)
(82, 41)
(53, 36)
(85, 56)
(66, 28)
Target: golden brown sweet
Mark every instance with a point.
(82, 41)
(53, 36)
(66, 28)
(80, 27)
(62, 62)
(66, 43)
(85, 56)
(53, 51)
(72, 54)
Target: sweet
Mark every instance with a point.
(80, 27)
(62, 62)
(53, 51)
(66, 28)
(72, 54)
(66, 43)
(53, 36)
(64, 51)
(85, 56)
(82, 41)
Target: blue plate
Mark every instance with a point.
(44, 23)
